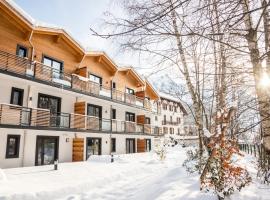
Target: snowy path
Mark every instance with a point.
(132, 177)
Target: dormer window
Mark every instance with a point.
(95, 79)
(56, 66)
(130, 91)
(21, 51)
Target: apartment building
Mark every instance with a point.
(60, 102)
(171, 118)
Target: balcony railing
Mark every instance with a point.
(36, 117)
(170, 123)
(36, 70)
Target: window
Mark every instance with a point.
(165, 130)
(178, 120)
(21, 51)
(95, 79)
(171, 130)
(175, 109)
(164, 118)
(113, 144)
(56, 66)
(49, 102)
(170, 107)
(16, 96)
(130, 117)
(13, 146)
(164, 106)
(178, 130)
(113, 85)
(113, 113)
(130, 91)
(94, 110)
(156, 118)
(170, 118)
(147, 120)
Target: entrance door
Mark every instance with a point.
(53, 104)
(130, 146)
(148, 145)
(46, 150)
(93, 147)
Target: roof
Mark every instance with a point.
(103, 55)
(40, 27)
(148, 84)
(133, 72)
(174, 99)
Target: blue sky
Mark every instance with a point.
(77, 16)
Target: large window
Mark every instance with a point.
(113, 144)
(95, 79)
(13, 146)
(94, 110)
(21, 51)
(49, 102)
(130, 117)
(57, 66)
(130, 91)
(16, 96)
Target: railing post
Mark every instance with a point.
(1, 109)
(30, 117)
(69, 119)
(35, 67)
(71, 80)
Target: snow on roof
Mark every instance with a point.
(21, 11)
(169, 97)
(175, 99)
(36, 23)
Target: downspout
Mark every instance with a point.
(29, 99)
(31, 44)
(24, 146)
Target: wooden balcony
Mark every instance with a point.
(18, 117)
(37, 71)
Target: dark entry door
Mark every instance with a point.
(46, 150)
(130, 146)
(148, 145)
(53, 104)
(93, 147)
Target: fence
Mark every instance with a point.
(258, 151)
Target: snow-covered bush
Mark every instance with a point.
(161, 150)
(224, 176)
(194, 163)
(2, 175)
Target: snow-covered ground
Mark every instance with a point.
(134, 176)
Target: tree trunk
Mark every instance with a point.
(263, 97)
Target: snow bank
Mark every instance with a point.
(3, 176)
(132, 176)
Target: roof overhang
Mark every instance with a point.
(152, 90)
(60, 34)
(16, 18)
(103, 58)
(131, 72)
